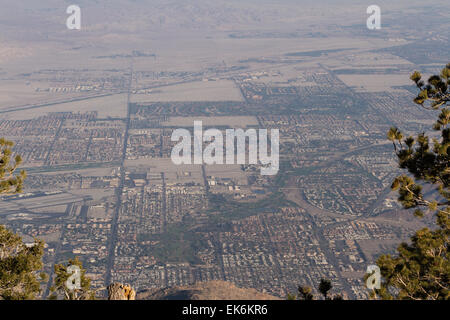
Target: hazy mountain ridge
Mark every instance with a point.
(157, 15)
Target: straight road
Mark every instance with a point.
(119, 191)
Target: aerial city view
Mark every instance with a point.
(125, 112)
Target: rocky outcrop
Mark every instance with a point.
(118, 291)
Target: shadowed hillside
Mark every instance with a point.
(212, 290)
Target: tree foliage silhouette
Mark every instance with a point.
(324, 287)
(19, 262)
(306, 292)
(19, 266)
(60, 288)
(10, 183)
(421, 269)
